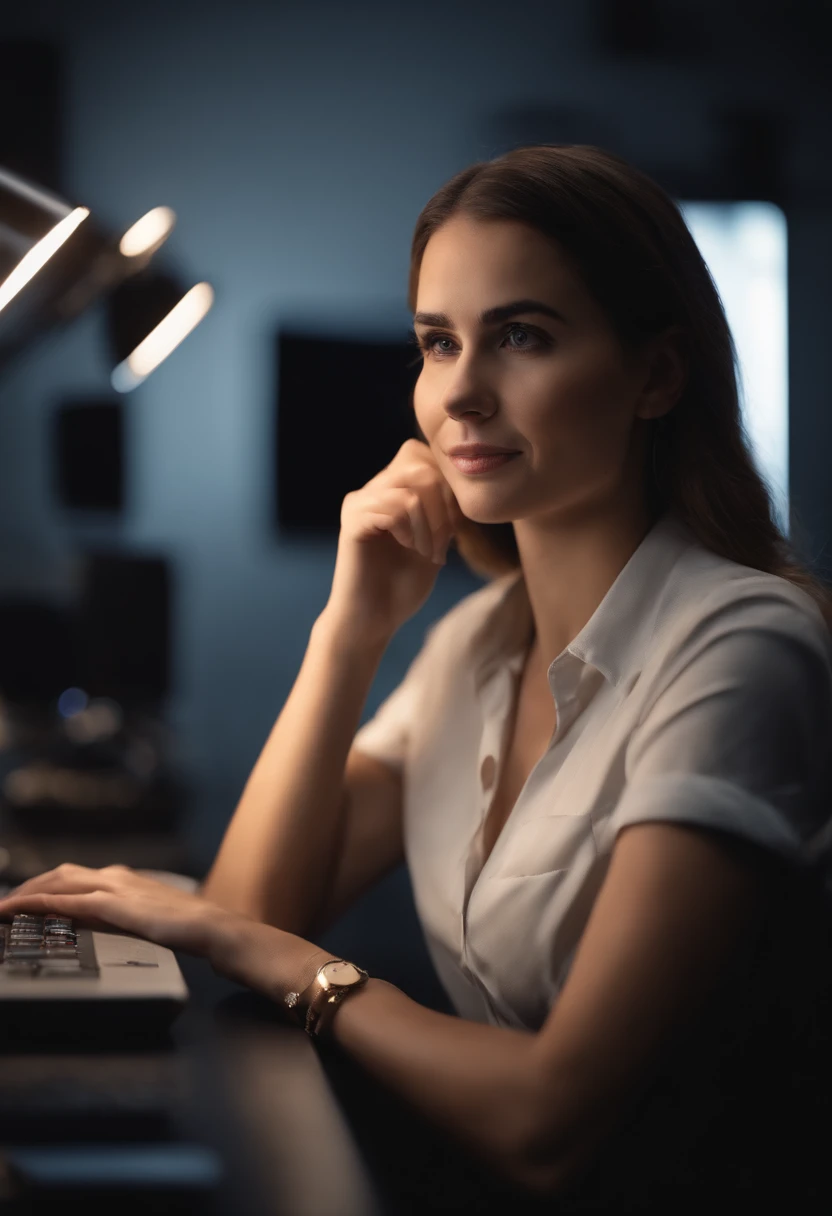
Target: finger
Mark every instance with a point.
(66, 878)
(439, 518)
(401, 506)
(447, 507)
(89, 904)
(455, 514)
(420, 524)
(384, 512)
(427, 484)
(39, 881)
(427, 509)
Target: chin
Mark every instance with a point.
(486, 517)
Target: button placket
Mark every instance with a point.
(496, 702)
(496, 697)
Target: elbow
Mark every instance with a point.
(547, 1180)
(547, 1176)
(536, 1173)
(520, 1159)
(547, 1161)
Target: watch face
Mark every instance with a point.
(341, 974)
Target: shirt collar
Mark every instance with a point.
(615, 639)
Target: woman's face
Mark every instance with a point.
(561, 392)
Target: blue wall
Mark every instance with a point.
(297, 144)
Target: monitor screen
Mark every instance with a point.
(343, 412)
(745, 247)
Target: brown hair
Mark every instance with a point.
(628, 240)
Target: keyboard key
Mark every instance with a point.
(41, 945)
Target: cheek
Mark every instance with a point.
(586, 396)
(424, 416)
(576, 405)
(586, 376)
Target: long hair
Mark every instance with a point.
(628, 240)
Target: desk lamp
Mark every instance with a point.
(56, 260)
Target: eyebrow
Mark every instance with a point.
(492, 316)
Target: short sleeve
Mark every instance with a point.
(738, 739)
(386, 734)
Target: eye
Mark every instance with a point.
(428, 341)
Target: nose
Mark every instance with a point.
(467, 389)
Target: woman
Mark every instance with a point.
(604, 768)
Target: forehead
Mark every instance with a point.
(491, 258)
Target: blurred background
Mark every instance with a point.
(168, 530)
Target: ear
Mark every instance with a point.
(665, 371)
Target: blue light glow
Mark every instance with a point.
(72, 701)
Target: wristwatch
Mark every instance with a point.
(314, 1008)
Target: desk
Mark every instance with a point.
(237, 1080)
(232, 1078)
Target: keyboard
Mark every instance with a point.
(58, 980)
(45, 945)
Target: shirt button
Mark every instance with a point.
(487, 771)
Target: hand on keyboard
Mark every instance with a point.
(117, 897)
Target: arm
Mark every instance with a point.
(537, 1106)
(371, 842)
(281, 847)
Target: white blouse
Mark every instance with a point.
(699, 691)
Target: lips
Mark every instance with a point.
(483, 464)
(480, 449)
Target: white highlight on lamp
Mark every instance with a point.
(39, 254)
(148, 233)
(166, 336)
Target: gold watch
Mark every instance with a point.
(314, 1008)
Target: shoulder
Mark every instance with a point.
(710, 597)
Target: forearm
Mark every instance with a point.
(473, 1080)
(279, 849)
(477, 1082)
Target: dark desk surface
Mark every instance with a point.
(275, 1108)
(231, 1077)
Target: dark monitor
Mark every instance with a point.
(115, 642)
(124, 627)
(344, 408)
(88, 455)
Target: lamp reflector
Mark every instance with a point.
(148, 233)
(39, 254)
(166, 336)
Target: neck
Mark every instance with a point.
(567, 573)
